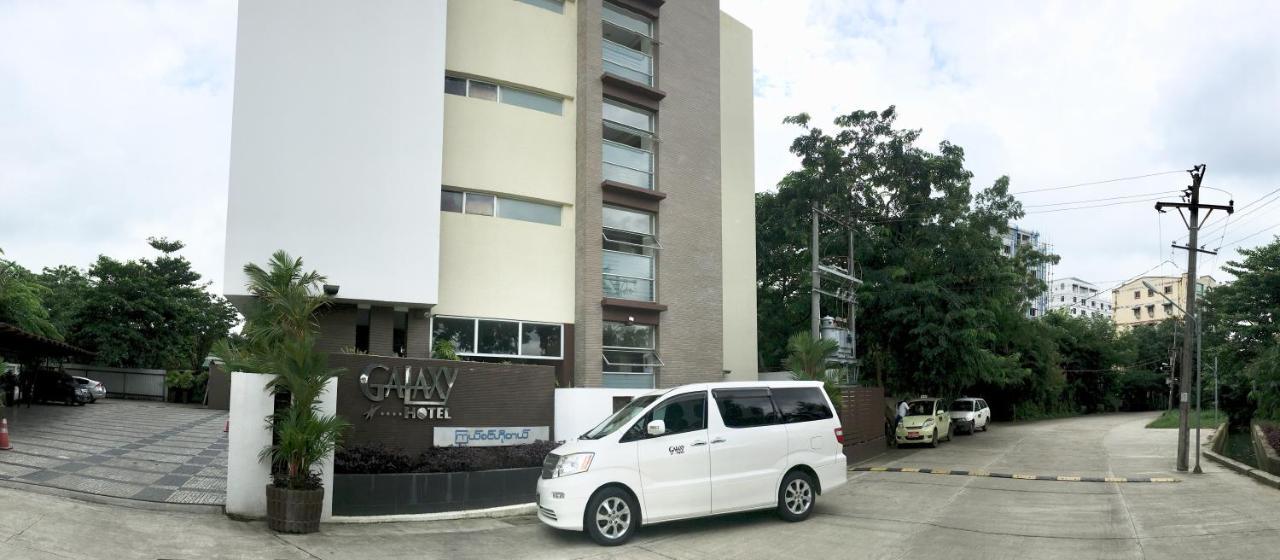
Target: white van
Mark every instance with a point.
(668, 455)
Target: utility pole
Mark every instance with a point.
(847, 284)
(815, 300)
(1216, 414)
(1192, 204)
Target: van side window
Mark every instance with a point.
(683, 413)
(746, 408)
(801, 404)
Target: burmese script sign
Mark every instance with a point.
(401, 402)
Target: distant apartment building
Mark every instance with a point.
(1078, 298)
(1015, 240)
(1136, 304)
(558, 182)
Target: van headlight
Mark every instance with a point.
(572, 463)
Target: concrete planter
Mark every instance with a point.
(1268, 459)
(294, 511)
(412, 493)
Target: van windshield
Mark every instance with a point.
(620, 418)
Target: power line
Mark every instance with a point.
(1242, 213)
(1250, 236)
(1093, 206)
(1103, 182)
(1161, 193)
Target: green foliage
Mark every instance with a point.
(808, 359)
(941, 310)
(1241, 330)
(444, 350)
(138, 313)
(279, 339)
(22, 301)
(1169, 419)
(179, 378)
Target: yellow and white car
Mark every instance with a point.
(927, 421)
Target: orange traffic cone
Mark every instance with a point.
(4, 435)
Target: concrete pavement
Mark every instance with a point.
(878, 515)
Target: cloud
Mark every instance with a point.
(115, 126)
(1049, 93)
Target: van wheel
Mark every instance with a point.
(612, 517)
(796, 497)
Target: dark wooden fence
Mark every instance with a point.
(862, 414)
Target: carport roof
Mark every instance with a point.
(17, 342)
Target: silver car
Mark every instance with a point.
(96, 389)
(970, 415)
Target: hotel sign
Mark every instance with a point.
(423, 391)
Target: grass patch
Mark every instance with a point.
(1170, 420)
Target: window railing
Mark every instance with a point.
(628, 63)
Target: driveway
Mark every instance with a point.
(138, 450)
(878, 515)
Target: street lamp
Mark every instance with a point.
(1199, 410)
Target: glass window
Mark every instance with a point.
(400, 334)
(628, 336)
(628, 220)
(483, 90)
(556, 6)
(499, 337)
(481, 204)
(455, 86)
(529, 211)
(627, 44)
(531, 100)
(461, 331)
(962, 406)
(801, 404)
(627, 115)
(450, 201)
(745, 408)
(681, 414)
(362, 329)
(623, 264)
(540, 340)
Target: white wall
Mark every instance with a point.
(247, 435)
(579, 410)
(336, 143)
(738, 201)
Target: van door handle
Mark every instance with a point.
(718, 440)
(697, 443)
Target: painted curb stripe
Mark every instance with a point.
(1016, 476)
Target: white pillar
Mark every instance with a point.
(328, 403)
(248, 434)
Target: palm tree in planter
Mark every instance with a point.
(280, 332)
(303, 437)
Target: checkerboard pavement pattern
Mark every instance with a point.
(139, 450)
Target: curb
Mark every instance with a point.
(36, 488)
(1015, 476)
(1260, 476)
(489, 513)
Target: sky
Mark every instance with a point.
(115, 115)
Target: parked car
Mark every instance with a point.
(970, 415)
(53, 386)
(926, 422)
(96, 389)
(693, 451)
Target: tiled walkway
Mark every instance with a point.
(125, 449)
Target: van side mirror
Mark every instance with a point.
(656, 428)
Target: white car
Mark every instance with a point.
(668, 455)
(96, 389)
(969, 415)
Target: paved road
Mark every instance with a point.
(878, 515)
(140, 450)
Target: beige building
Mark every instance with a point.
(560, 182)
(1136, 304)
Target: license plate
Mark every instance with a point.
(913, 434)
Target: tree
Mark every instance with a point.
(1242, 329)
(941, 309)
(68, 288)
(22, 301)
(150, 312)
(1089, 354)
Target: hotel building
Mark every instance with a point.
(561, 182)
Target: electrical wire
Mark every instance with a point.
(1099, 199)
(1092, 206)
(1250, 236)
(1103, 182)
